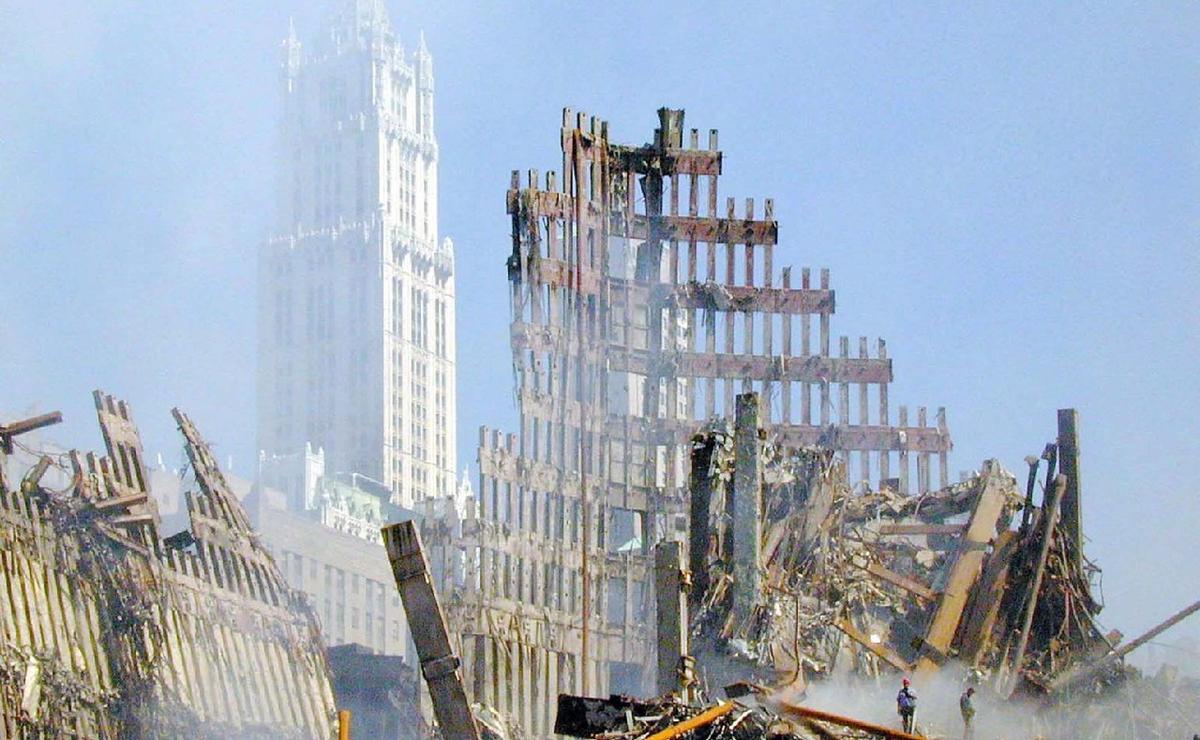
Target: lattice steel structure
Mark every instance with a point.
(626, 339)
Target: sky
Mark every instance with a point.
(1009, 194)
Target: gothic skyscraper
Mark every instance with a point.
(356, 354)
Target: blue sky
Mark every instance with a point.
(1009, 194)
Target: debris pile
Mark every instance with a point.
(977, 584)
(108, 630)
(622, 717)
(870, 582)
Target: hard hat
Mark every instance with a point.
(904, 681)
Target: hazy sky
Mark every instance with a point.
(1009, 195)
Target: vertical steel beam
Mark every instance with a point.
(1068, 462)
(671, 597)
(747, 506)
(698, 520)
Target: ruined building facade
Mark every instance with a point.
(109, 629)
(356, 292)
(642, 305)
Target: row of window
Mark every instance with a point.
(341, 594)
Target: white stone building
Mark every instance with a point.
(356, 354)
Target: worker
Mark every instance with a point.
(906, 705)
(966, 705)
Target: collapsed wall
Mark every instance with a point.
(108, 630)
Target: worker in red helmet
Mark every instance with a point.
(906, 706)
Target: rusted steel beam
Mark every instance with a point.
(908, 584)
(695, 228)
(15, 428)
(439, 664)
(720, 297)
(964, 572)
(669, 160)
(840, 720)
(912, 439)
(1079, 673)
(812, 369)
(1157, 630)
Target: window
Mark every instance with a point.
(616, 601)
(420, 313)
(440, 328)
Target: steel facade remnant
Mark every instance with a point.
(641, 306)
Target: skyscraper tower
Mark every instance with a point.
(356, 348)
